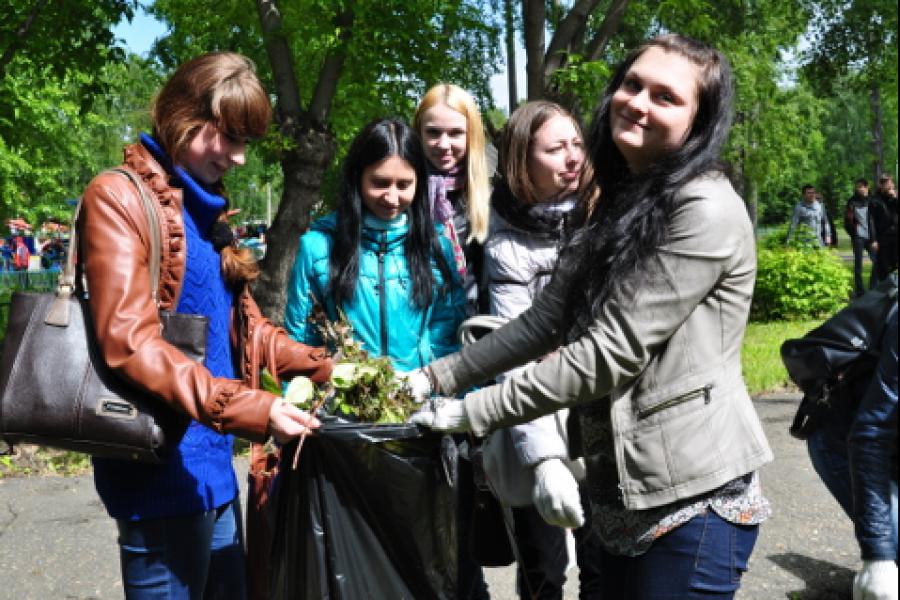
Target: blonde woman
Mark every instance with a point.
(450, 125)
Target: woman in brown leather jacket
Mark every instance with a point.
(179, 523)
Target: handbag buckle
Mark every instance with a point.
(116, 408)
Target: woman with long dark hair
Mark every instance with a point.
(378, 258)
(649, 305)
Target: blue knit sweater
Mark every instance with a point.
(198, 475)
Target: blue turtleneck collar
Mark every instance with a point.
(203, 205)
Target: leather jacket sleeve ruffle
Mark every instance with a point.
(115, 250)
(266, 345)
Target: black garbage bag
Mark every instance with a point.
(370, 512)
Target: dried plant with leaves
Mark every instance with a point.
(362, 387)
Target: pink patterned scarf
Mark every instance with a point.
(439, 184)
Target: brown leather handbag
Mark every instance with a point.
(55, 387)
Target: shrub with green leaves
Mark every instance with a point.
(798, 281)
(804, 238)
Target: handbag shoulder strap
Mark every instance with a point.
(58, 314)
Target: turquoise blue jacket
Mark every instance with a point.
(388, 324)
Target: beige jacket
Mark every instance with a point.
(668, 355)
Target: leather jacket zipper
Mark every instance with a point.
(680, 399)
(382, 298)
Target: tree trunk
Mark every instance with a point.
(751, 199)
(304, 168)
(608, 28)
(569, 37)
(533, 24)
(566, 37)
(511, 54)
(877, 129)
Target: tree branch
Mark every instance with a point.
(608, 29)
(330, 74)
(290, 109)
(564, 37)
(533, 25)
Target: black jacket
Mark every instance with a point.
(872, 446)
(885, 214)
(851, 216)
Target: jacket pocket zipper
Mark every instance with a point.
(382, 299)
(680, 399)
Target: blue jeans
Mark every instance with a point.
(702, 559)
(828, 453)
(194, 557)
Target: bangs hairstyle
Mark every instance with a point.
(630, 224)
(219, 88)
(516, 141)
(379, 140)
(478, 191)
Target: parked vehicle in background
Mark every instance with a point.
(252, 234)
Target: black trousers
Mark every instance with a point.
(887, 257)
(470, 584)
(861, 246)
(542, 548)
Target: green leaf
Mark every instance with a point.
(268, 383)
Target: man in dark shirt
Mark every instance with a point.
(884, 209)
(860, 226)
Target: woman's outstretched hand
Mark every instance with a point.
(442, 414)
(556, 496)
(418, 382)
(287, 422)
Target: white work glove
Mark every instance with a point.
(556, 495)
(418, 382)
(877, 580)
(442, 414)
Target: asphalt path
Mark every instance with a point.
(56, 541)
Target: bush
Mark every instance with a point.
(799, 281)
(804, 238)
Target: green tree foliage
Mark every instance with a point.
(789, 129)
(395, 49)
(855, 37)
(333, 66)
(69, 98)
(51, 146)
(848, 153)
(68, 36)
(55, 56)
(855, 49)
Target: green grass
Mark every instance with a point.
(761, 358)
(38, 460)
(35, 460)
